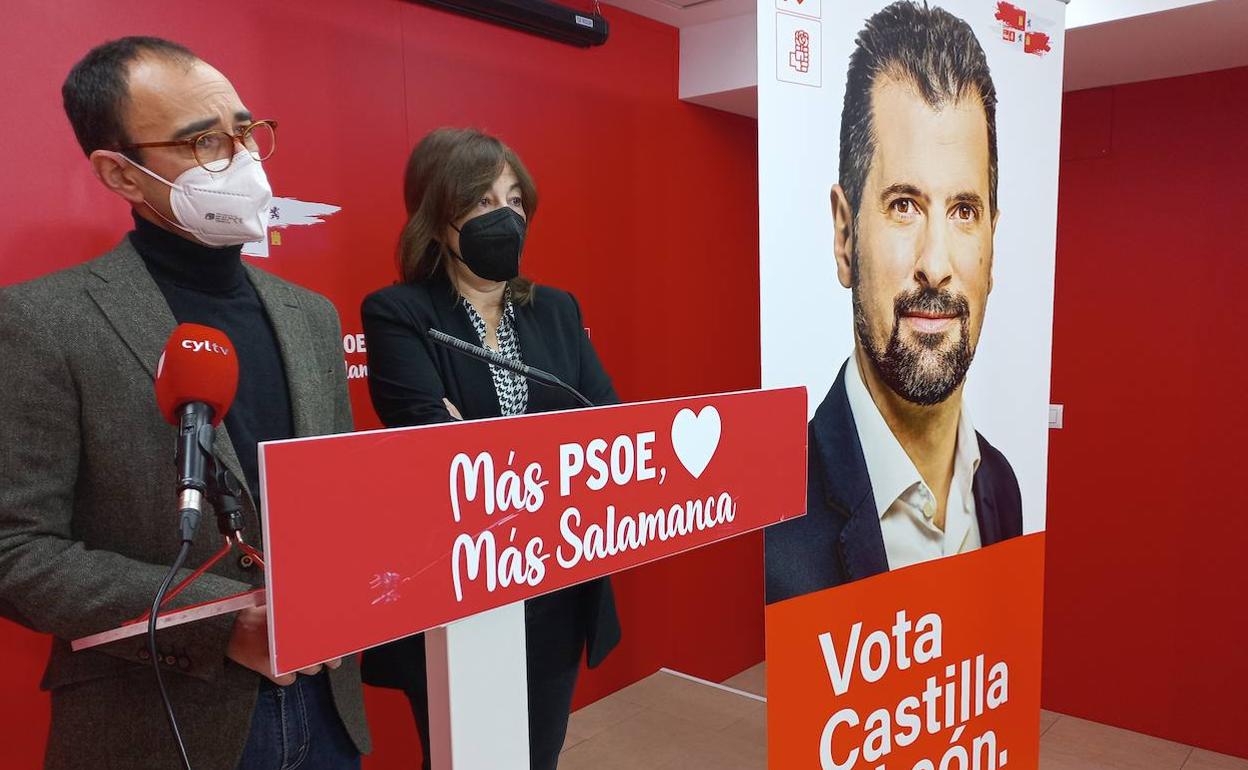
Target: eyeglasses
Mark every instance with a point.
(214, 149)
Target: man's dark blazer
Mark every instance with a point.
(839, 539)
(87, 497)
(409, 376)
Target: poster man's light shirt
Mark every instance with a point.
(904, 502)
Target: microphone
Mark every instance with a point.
(196, 380)
(491, 357)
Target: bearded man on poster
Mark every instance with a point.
(897, 473)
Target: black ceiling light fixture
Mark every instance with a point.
(538, 17)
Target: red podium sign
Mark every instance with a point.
(374, 536)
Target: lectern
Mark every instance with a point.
(446, 529)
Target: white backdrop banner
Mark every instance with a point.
(807, 319)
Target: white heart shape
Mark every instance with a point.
(695, 438)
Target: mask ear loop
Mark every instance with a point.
(455, 253)
(145, 170)
(158, 178)
(167, 219)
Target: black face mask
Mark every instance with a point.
(490, 244)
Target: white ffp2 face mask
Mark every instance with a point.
(221, 208)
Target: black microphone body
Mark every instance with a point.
(497, 359)
(193, 458)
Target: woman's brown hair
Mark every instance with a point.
(448, 172)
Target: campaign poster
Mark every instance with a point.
(908, 169)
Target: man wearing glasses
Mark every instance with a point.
(86, 488)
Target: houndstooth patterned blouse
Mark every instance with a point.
(512, 389)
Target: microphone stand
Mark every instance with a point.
(223, 490)
(497, 359)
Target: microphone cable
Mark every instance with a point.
(151, 647)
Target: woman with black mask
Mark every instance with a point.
(469, 202)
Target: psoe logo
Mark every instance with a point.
(1021, 29)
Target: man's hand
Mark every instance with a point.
(450, 408)
(249, 646)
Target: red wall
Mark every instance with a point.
(1146, 624)
(648, 214)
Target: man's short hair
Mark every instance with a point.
(97, 90)
(928, 48)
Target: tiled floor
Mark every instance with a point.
(670, 722)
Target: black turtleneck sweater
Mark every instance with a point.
(209, 286)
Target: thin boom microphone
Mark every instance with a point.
(491, 357)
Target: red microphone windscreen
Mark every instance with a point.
(198, 364)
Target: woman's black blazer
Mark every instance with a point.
(409, 375)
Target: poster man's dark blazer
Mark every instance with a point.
(87, 496)
(839, 539)
(409, 376)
